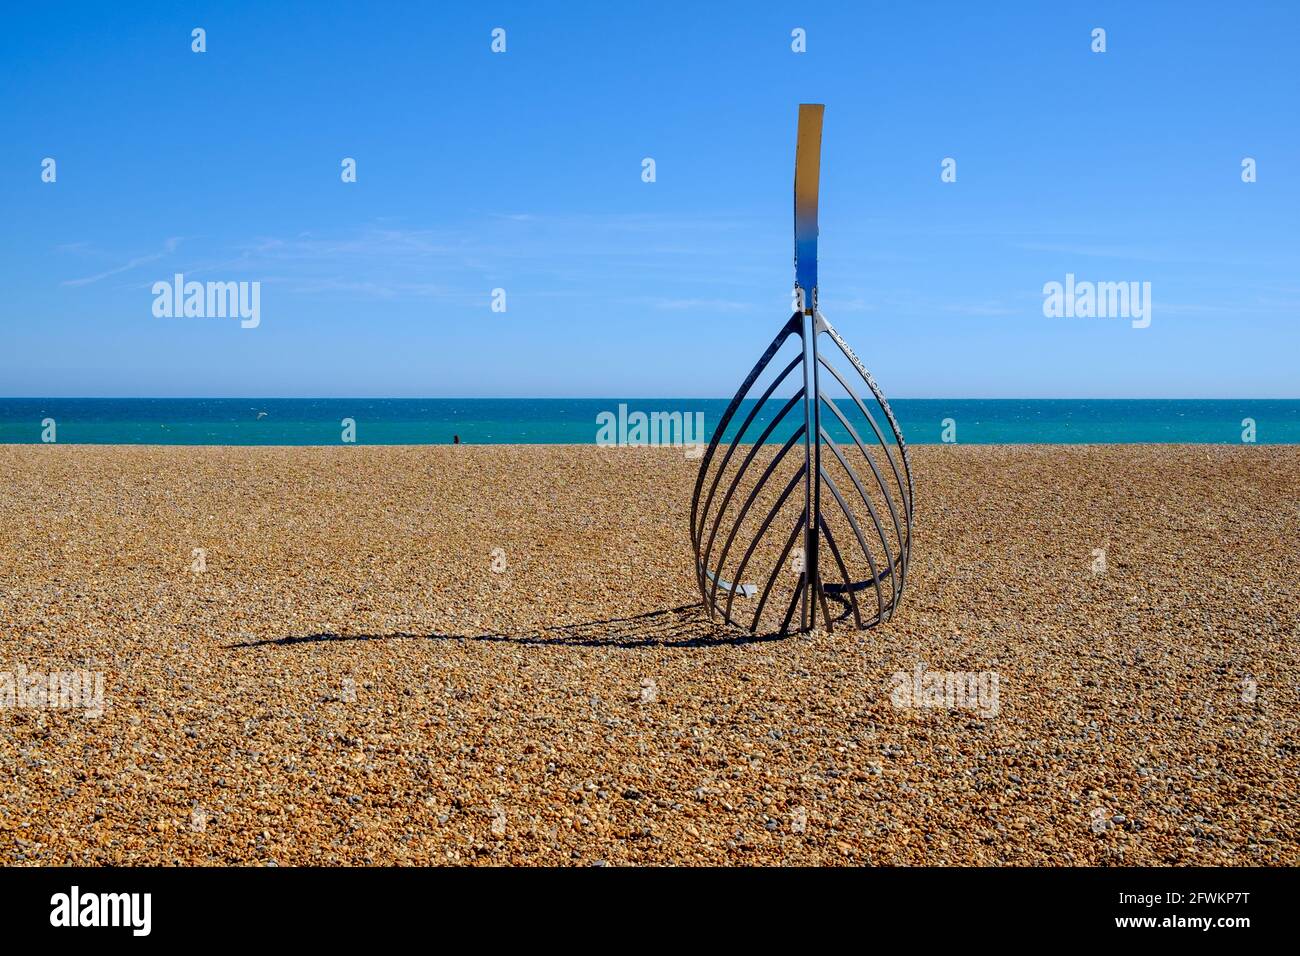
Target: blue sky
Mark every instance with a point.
(522, 171)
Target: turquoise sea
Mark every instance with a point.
(295, 421)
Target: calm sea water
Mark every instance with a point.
(244, 421)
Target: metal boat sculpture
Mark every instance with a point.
(807, 494)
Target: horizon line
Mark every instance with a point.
(618, 398)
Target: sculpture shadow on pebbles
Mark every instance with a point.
(686, 625)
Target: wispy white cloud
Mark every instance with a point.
(168, 248)
(978, 308)
(368, 243)
(703, 305)
(1144, 253)
(1095, 251)
(545, 254)
(364, 288)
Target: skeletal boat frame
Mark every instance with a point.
(888, 565)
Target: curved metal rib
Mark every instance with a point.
(758, 486)
(824, 326)
(744, 467)
(780, 563)
(771, 516)
(844, 573)
(880, 437)
(871, 510)
(853, 523)
(880, 482)
(793, 326)
(735, 442)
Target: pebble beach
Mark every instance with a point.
(495, 655)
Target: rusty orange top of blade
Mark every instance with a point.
(807, 176)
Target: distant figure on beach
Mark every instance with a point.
(455, 439)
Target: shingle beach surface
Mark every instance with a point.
(495, 655)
